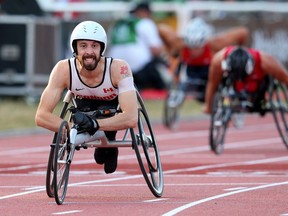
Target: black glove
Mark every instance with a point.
(85, 122)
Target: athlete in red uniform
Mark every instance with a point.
(247, 67)
(200, 45)
(196, 49)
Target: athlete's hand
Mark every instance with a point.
(85, 122)
(206, 109)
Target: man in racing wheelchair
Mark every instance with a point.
(195, 51)
(96, 82)
(248, 70)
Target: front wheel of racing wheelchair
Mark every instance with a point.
(61, 162)
(181, 88)
(50, 165)
(172, 106)
(147, 152)
(278, 100)
(220, 117)
(275, 101)
(142, 141)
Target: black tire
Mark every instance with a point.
(172, 112)
(147, 152)
(50, 173)
(220, 118)
(50, 167)
(171, 115)
(61, 163)
(278, 100)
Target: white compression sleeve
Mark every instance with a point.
(126, 84)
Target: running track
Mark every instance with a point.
(249, 178)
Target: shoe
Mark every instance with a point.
(111, 160)
(100, 155)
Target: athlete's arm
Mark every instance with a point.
(123, 79)
(233, 36)
(173, 42)
(214, 79)
(51, 95)
(274, 68)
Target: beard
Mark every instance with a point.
(92, 61)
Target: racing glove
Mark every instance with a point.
(85, 122)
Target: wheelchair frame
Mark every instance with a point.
(141, 139)
(276, 101)
(176, 95)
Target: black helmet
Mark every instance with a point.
(239, 63)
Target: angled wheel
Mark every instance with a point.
(220, 117)
(61, 163)
(50, 166)
(278, 99)
(147, 152)
(50, 172)
(172, 105)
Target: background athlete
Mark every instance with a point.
(248, 69)
(194, 52)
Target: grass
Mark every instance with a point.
(17, 114)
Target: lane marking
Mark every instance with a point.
(232, 189)
(71, 185)
(169, 136)
(164, 136)
(231, 145)
(269, 160)
(155, 200)
(67, 212)
(208, 199)
(25, 150)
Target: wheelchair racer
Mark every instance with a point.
(197, 49)
(248, 70)
(96, 81)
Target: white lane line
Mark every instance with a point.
(27, 188)
(25, 150)
(21, 194)
(189, 205)
(71, 185)
(23, 167)
(232, 145)
(234, 189)
(270, 160)
(155, 200)
(67, 212)
(169, 136)
(166, 136)
(212, 166)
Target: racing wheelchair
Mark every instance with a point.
(182, 86)
(272, 98)
(140, 139)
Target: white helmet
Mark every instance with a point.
(88, 30)
(197, 32)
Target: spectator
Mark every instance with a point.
(139, 37)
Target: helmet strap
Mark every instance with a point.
(79, 61)
(249, 67)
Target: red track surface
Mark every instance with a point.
(249, 178)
